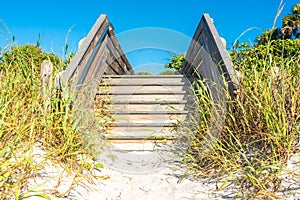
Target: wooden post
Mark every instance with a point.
(46, 82)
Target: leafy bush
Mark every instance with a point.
(289, 29)
(176, 62)
(275, 52)
(29, 58)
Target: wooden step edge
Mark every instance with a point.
(161, 102)
(148, 112)
(154, 138)
(140, 84)
(140, 140)
(142, 125)
(140, 93)
(142, 76)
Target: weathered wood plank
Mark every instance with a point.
(87, 56)
(193, 45)
(96, 70)
(84, 51)
(99, 41)
(114, 65)
(193, 61)
(46, 77)
(208, 59)
(109, 71)
(118, 48)
(115, 55)
(96, 62)
(206, 37)
(220, 55)
(84, 73)
(46, 84)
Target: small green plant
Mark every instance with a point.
(176, 62)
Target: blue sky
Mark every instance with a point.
(52, 20)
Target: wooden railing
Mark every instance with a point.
(99, 54)
(207, 57)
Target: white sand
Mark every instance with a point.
(165, 180)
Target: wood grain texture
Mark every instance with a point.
(99, 53)
(78, 62)
(127, 68)
(207, 38)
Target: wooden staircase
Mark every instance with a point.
(144, 107)
(145, 110)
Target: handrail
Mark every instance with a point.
(99, 54)
(208, 57)
(92, 57)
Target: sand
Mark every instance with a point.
(145, 175)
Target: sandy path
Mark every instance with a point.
(166, 180)
(163, 184)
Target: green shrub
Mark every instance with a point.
(29, 58)
(176, 62)
(275, 52)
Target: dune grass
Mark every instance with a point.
(260, 133)
(29, 120)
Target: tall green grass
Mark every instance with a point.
(26, 123)
(261, 131)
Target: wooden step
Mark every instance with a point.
(130, 112)
(142, 76)
(103, 84)
(140, 88)
(138, 144)
(144, 108)
(140, 132)
(140, 80)
(144, 102)
(147, 107)
(148, 118)
(167, 123)
(151, 92)
(139, 139)
(145, 97)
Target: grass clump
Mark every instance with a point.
(25, 124)
(261, 129)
